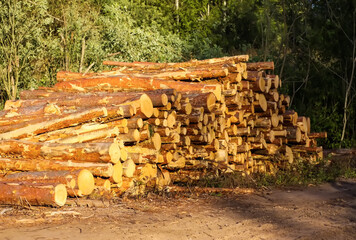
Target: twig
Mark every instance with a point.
(86, 71)
(5, 210)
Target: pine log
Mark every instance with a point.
(187, 74)
(290, 118)
(258, 66)
(134, 122)
(206, 100)
(259, 85)
(263, 123)
(94, 99)
(318, 135)
(129, 168)
(44, 124)
(276, 83)
(97, 169)
(24, 195)
(288, 153)
(294, 134)
(83, 179)
(117, 173)
(123, 82)
(302, 124)
(148, 65)
(254, 75)
(163, 179)
(110, 132)
(261, 104)
(84, 152)
(102, 183)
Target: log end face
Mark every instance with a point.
(86, 182)
(124, 154)
(210, 102)
(275, 120)
(188, 108)
(217, 92)
(117, 173)
(114, 152)
(164, 99)
(156, 139)
(60, 194)
(129, 168)
(136, 135)
(139, 123)
(146, 105)
(262, 102)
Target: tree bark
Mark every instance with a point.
(23, 195)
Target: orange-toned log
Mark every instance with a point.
(275, 81)
(318, 135)
(83, 131)
(257, 66)
(253, 75)
(25, 164)
(307, 149)
(104, 133)
(19, 117)
(83, 179)
(150, 65)
(261, 104)
(124, 82)
(95, 100)
(46, 124)
(294, 134)
(135, 122)
(24, 195)
(205, 100)
(259, 85)
(67, 75)
(196, 74)
(84, 152)
(290, 118)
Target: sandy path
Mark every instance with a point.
(322, 212)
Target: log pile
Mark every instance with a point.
(145, 125)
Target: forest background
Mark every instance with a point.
(312, 43)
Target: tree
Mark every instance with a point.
(21, 30)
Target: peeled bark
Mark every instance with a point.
(42, 125)
(83, 179)
(258, 66)
(149, 65)
(24, 195)
(124, 82)
(97, 169)
(81, 152)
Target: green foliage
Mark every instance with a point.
(122, 36)
(22, 31)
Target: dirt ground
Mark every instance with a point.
(327, 211)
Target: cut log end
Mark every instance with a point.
(156, 139)
(114, 152)
(146, 105)
(117, 173)
(262, 102)
(210, 101)
(86, 182)
(129, 168)
(60, 194)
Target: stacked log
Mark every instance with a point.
(143, 125)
